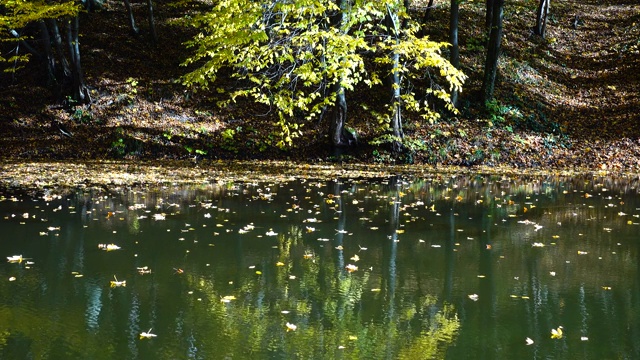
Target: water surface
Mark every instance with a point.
(442, 267)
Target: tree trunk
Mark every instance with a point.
(57, 42)
(132, 21)
(152, 22)
(336, 130)
(453, 38)
(493, 51)
(79, 90)
(541, 18)
(339, 118)
(489, 14)
(396, 111)
(427, 12)
(50, 60)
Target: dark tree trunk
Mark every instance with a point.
(50, 60)
(489, 14)
(405, 20)
(453, 38)
(152, 23)
(427, 13)
(132, 21)
(541, 18)
(79, 90)
(65, 72)
(493, 51)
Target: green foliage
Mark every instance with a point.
(476, 44)
(119, 148)
(410, 146)
(16, 14)
(289, 56)
(502, 115)
(229, 142)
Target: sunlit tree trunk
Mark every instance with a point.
(393, 27)
(337, 130)
(541, 18)
(339, 117)
(493, 51)
(453, 39)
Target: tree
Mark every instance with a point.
(284, 53)
(541, 18)
(25, 20)
(152, 23)
(411, 60)
(493, 51)
(453, 38)
(489, 13)
(302, 57)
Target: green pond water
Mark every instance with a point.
(440, 267)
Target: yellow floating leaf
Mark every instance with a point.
(147, 335)
(227, 298)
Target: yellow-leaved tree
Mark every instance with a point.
(303, 57)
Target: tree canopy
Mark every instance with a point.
(289, 56)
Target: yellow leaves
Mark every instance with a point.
(556, 333)
(116, 283)
(227, 299)
(15, 259)
(147, 335)
(108, 247)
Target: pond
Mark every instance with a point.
(433, 267)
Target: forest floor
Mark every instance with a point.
(570, 101)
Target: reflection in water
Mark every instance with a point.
(436, 267)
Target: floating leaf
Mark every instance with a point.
(108, 247)
(147, 335)
(15, 259)
(351, 268)
(228, 298)
(116, 283)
